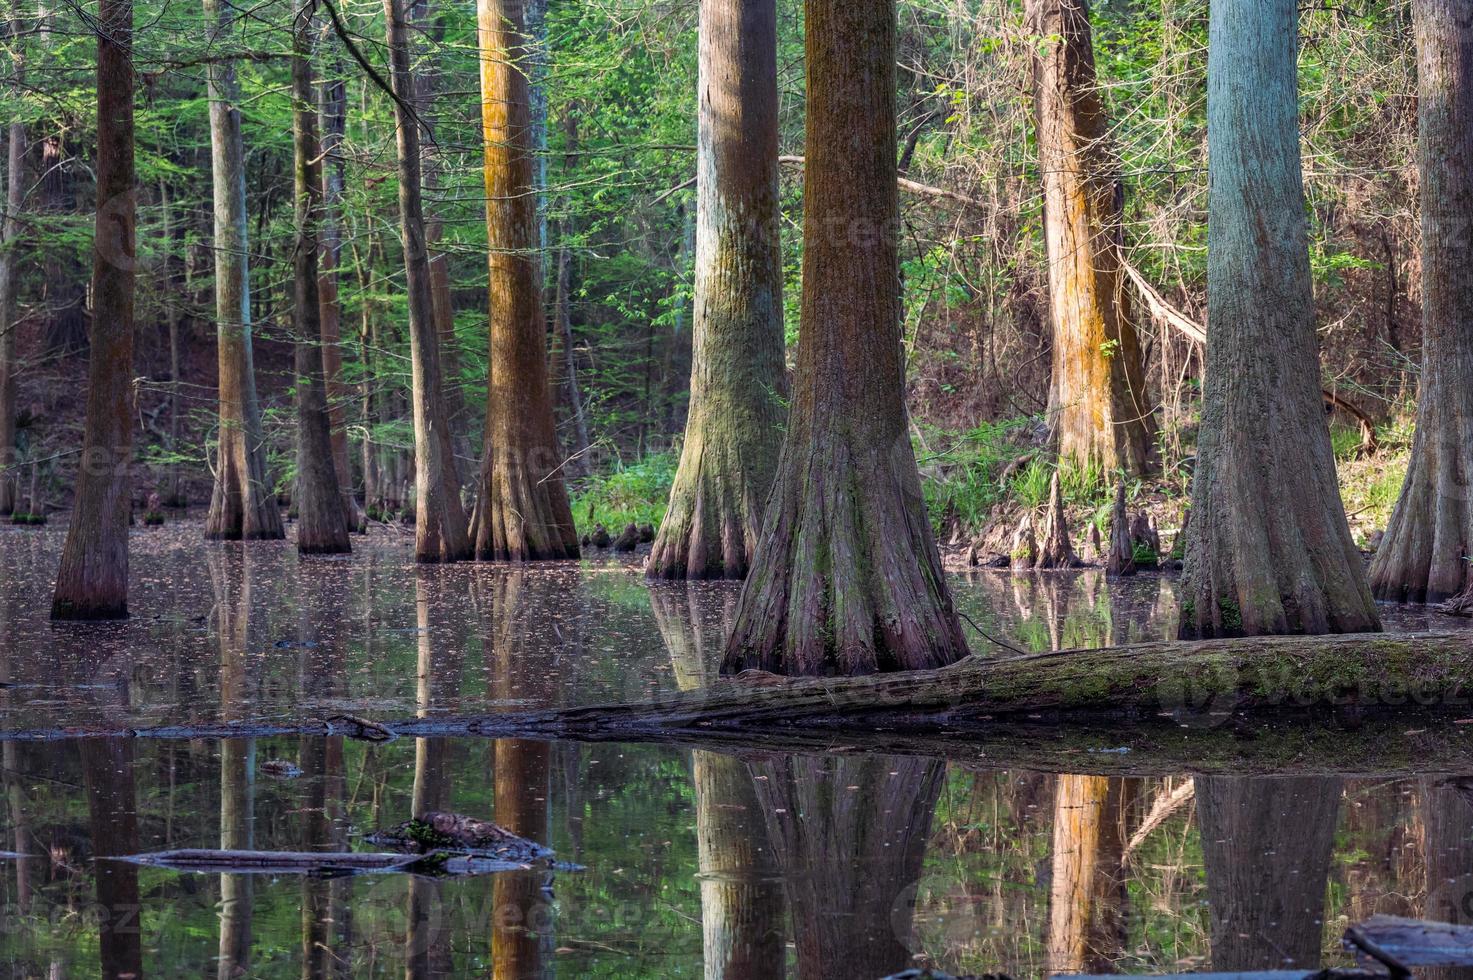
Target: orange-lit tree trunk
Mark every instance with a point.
(737, 385)
(15, 157)
(1098, 395)
(243, 503)
(334, 115)
(1424, 556)
(1086, 930)
(441, 534)
(322, 525)
(523, 511)
(846, 578)
(1268, 549)
(92, 582)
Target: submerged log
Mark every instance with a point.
(317, 864)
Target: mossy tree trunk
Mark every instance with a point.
(322, 524)
(1268, 549)
(1098, 399)
(243, 502)
(523, 512)
(15, 157)
(92, 582)
(846, 578)
(1424, 555)
(1266, 845)
(738, 384)
(441, 532)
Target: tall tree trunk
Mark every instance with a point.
(334, 122)
(112, 811)
(322, 525)
(1424, 556)
(441, 534)
(738, 382)
(846, 578)
(1266, 845)
(9, 279)
(1086, 922)
(174, 495)
(1268, 549)
(1098, 396)
(523, 512)
(92, 582)
(243, 503)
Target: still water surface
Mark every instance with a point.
(694, 863)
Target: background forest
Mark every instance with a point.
(615, 104)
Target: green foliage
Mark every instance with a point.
(963, 479)
(633, 494)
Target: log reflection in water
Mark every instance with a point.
(1266, 844)
(107, 768)
(741, 896)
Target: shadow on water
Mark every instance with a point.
(697, 862)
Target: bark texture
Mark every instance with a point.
(1098, 400)
(523, 513)
(441, 532)
(243, 502)
(322, 523)
(1266, 846)
(92, 582)
(846, 578)
(1424, 556)
(738, 384)
(10, 227)
(1268, 549)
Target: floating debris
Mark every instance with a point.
(454, 832)
(281, 769)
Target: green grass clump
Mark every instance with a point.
(632, 494)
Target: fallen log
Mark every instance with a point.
(1412, 942)
(315, 864)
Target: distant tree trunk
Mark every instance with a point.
(92, 582)
(243, 503)
(65, 289)
(849, 833)
(1266, 846)
(1086, 930)
(322, 526)
(1268, 550)
(112, 811)
(1424, 556)
(441, 534)
(9, 279)
(579, 464)
(523, 512)
(1098, 396)
(334, 122)
(173, 495)
(846, 577)
(738, 382)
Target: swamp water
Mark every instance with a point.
(694, 862)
